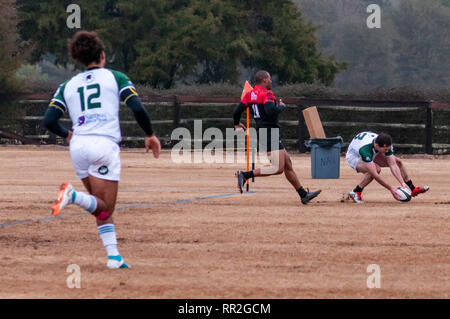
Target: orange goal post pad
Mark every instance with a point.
(247, 88)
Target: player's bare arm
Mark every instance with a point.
(372, 170)
(395, 170)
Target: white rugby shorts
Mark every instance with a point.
(97, 156)
(352, 156)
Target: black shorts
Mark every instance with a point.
(265, 142)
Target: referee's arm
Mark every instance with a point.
(238, 112)
(273, 109)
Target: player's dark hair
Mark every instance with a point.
(86, 47)
(383, 139)
(260, 76)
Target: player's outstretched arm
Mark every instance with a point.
(372, 170)
(395, 170)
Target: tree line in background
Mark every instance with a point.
(165, 43)
(410, 49)
(9, 55)
(204, 41)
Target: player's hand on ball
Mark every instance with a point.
(240, 127)
(152, 142)
(393, 190)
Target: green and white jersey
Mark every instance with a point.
(362, 146)
(92, 99)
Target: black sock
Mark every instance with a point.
(302, 192)
(358, 189)
(248, 174)
(410, 185)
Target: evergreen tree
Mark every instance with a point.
(422, 47)
(160, 41)
(9, 50)
(410, 49)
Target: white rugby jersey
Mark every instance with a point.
(92, 99)
(362, 145)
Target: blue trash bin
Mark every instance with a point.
(325, 156)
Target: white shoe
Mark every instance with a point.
(356, 197)
(64, 198)
(116, 262)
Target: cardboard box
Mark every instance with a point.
(313, 122)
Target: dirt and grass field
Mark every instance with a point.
(188, 233)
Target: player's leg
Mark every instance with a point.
(415, 190)
(402, 169)
(69, 195)
(356, 193)
(352, 157)
(104, 193)
(289, 172)
(380, 160)
(97, 163)
(276, 166)
(104, 176)
(83, 152)
(89, 202)
(291, 176)
(106, 190)
(368, 178)
(269, 142)
(86, 184)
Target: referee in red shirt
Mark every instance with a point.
(263, 106)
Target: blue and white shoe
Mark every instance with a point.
(116, 262)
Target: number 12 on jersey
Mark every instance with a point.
(92, 95)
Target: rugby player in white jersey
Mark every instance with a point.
(367, 153)
(92, 100)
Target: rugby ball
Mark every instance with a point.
(404, 194)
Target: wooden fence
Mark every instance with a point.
(174, 106)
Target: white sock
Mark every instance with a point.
(85, 201)
(108, 235)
